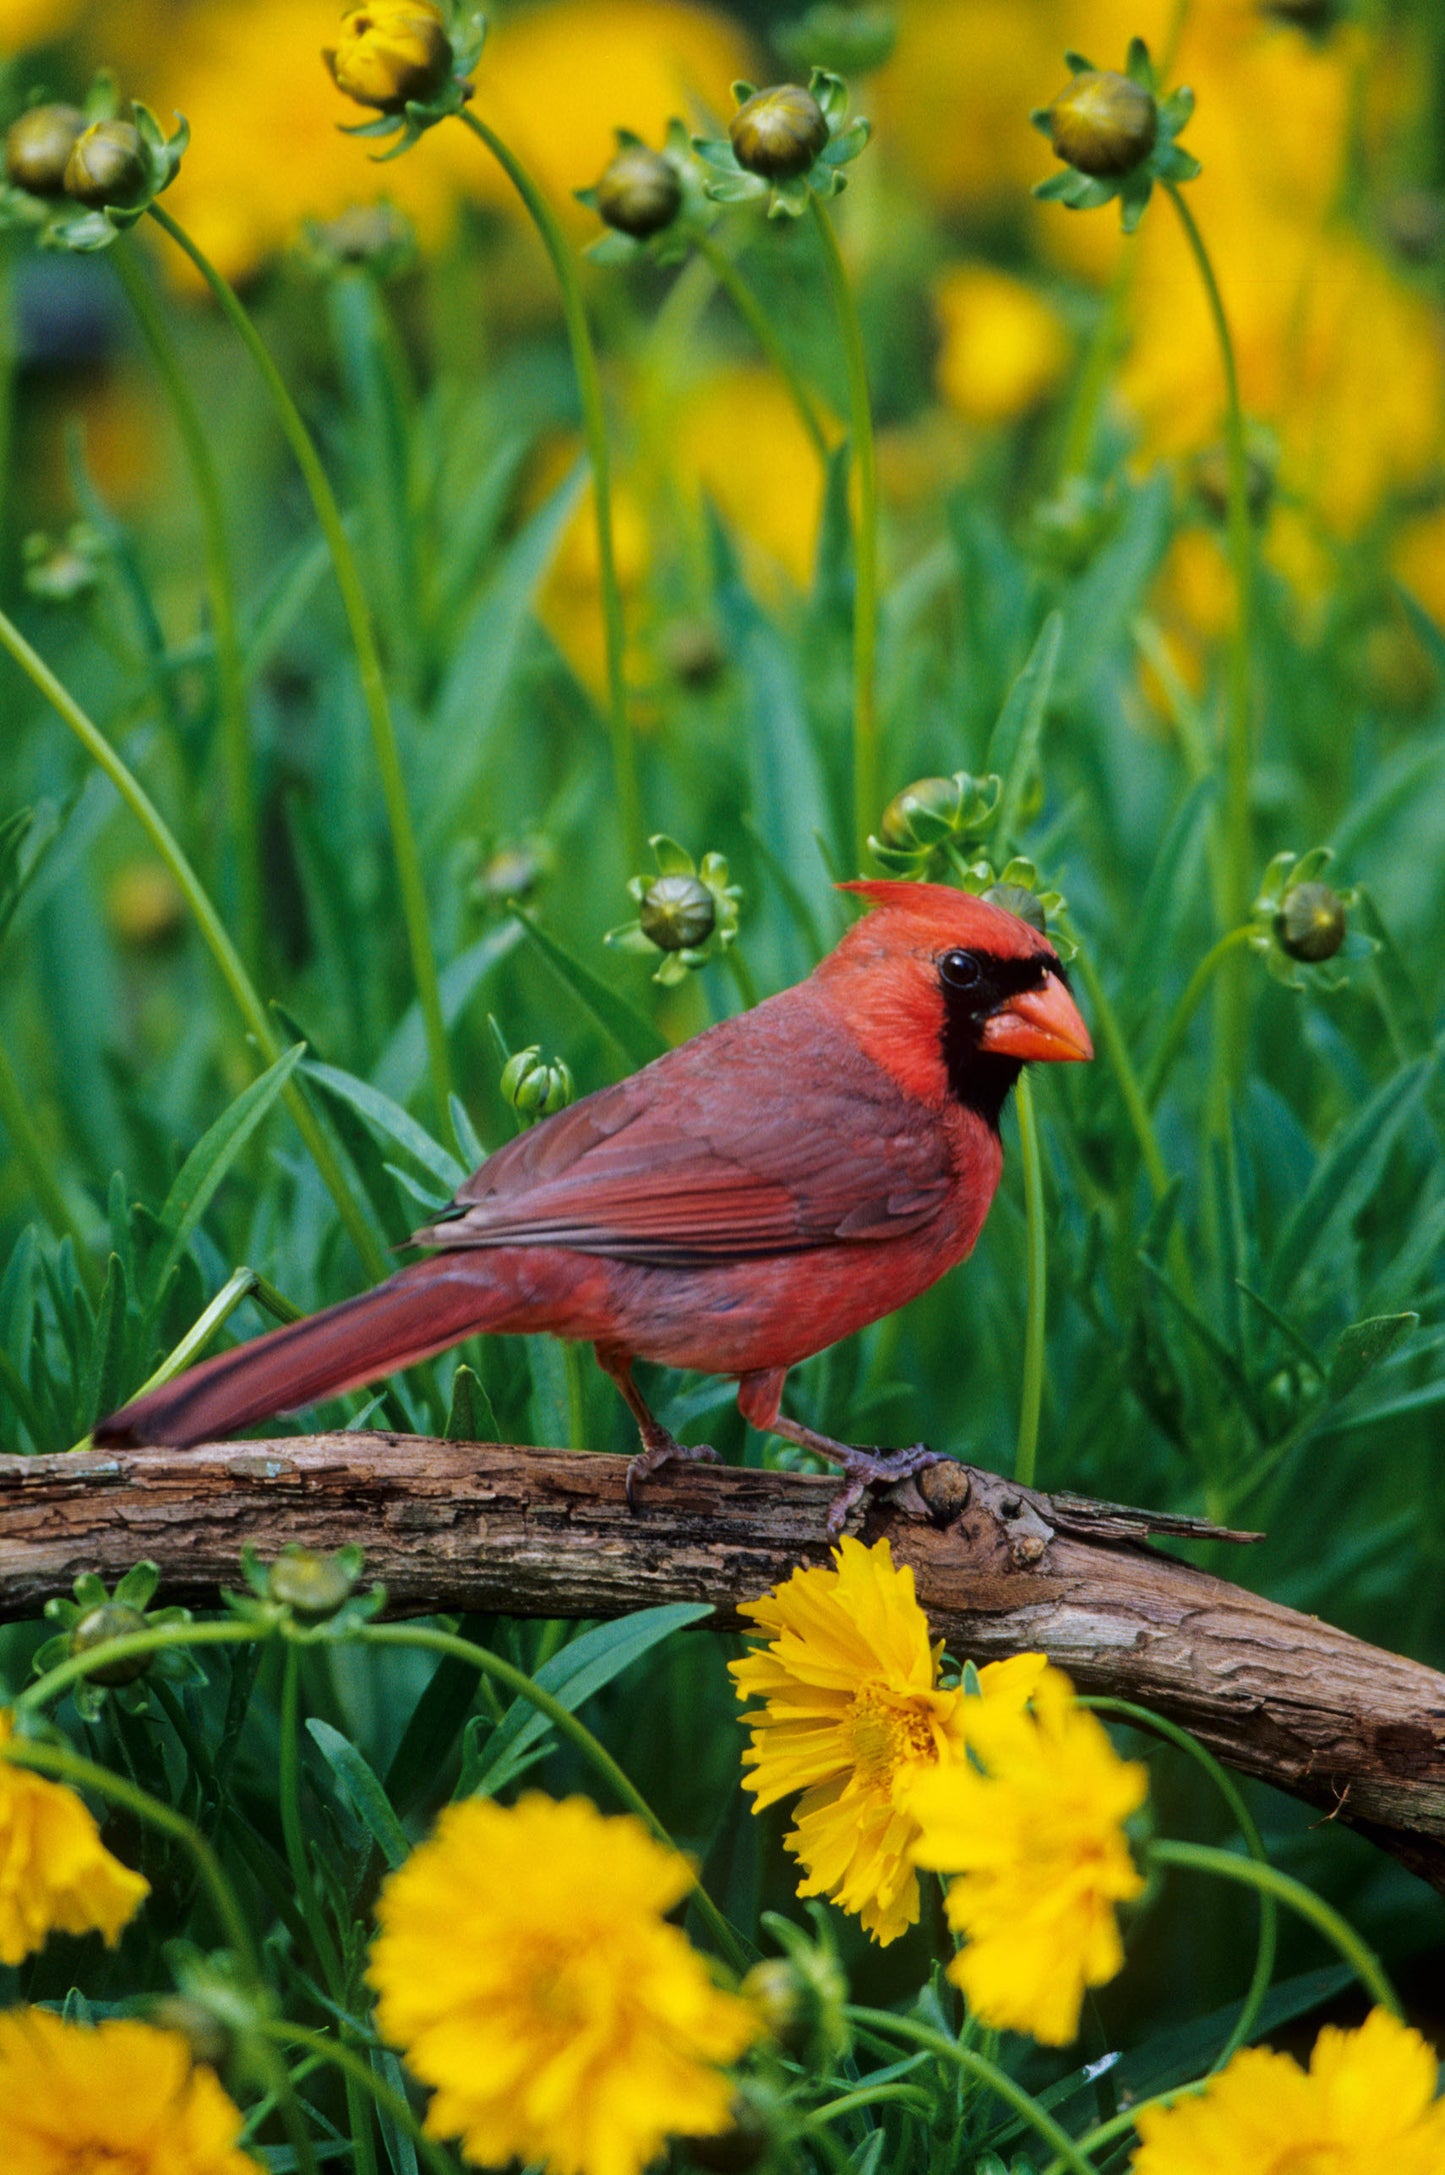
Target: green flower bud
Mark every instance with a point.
(1310, 924)
(205, 2033)
(391, 55)
(778, 133)
(921, 814)
(108, 166)
(694, 651)
(536, 1086)
(1066, 529)
(639, 192)
(38, 147)
(112, 1620)
(800, 1999)
(377, 235)
(1104, 124)
(311, 1584)
(1211, 481)
(1015, 899)
(677, 913)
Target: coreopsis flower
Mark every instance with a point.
(1004, 347)
(1115, 136)
(119, 2096)
(680, 911)
(787, 143)
(1299, 921)
(1366, 2103)
(56, 1875)
(1032, 1825)
(411, 61)
(526, 1969)
(854, 1716)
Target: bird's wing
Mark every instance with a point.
(770, 1134)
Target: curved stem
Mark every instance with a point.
(31, 1154)
(1082, 424)
(1136, 1109)
(1268, 1880)
(911, 2095)
(567, 1725)
(360, 2073)
(1239, 847)
(1127, 2119)
(760, 325)
(1171, 1041)
(1032, 1390)
(292, 1827)
(368, 659)
(221, 589)
(594, 424)
(982, 2071)
(865, 545)
(219, 944)
(1229, 1790)
(133, 1643)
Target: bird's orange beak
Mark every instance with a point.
(1038, 1025)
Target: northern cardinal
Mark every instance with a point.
(754, 1195)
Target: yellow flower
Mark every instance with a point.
(852, 1718)
(1032, 1823)
(119, 2099)
(738, 442)
(388, 54)
(525, 1968)
(56, 1875)
(34, 22)
(1365, 2106)
(1004, 347)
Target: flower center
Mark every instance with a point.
(886, 1732)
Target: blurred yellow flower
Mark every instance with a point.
(852, 1717)
(1004, 347)
(118, 2098)
(56, 1875)
(1032, 1825)
(31, 22)
(952, 105)
(738, 441)
(1365, 2106)
(570, 604)
(526, 1969)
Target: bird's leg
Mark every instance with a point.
(759, 1397)
(658, 1446)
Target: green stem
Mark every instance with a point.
(1268, 1880)
(1111, 1038)
(1239, 845)
(911, 2094)
(1120, 2125)
(132, 1644)
(1229, 1790)
(292, 1827)
(221, 589)
(1082, 425)
(1031, 1394)
(222, 950)
(567, 1725)
(760, 325)
(1171, 1041)
(238, 1286)
(368, 659)
(982, 2071)
(594, 424)
(865, 545)
(361, 2074)
(34, 1158)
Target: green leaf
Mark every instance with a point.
(1394, 983)
(388, 1122)
(1213, 1345)
(582, 1668)
(105, 1373)
(363, 1790)
(399, 1069)
(1360, 1348)
(636, 1039)
(1345, 1176)
(1013, 746)
(213, 1155)
(470, 1417)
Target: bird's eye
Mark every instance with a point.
(960, 970)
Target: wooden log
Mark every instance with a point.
(446, 1526)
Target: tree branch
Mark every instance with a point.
(448, 1526)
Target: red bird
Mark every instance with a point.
(777, 1183)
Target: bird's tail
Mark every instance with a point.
(421, 1310)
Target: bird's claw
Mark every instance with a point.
(865, 1469)
(660, 1450)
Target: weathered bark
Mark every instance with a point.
(1347, 1726)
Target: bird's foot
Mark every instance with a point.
(867, 1469)
(659, 1449)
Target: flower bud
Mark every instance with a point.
(800, 1999)
(536, 1086)
(921, 814)
(144, 907)
(38, 147)
(639, 192)
(1211, 481)
(1016, 899)
(311, 1584)
(1104, 123)
(778, 133)
(206, 2035)
(1310, 924)
(392, 55)
(693, 650)
(111, 1620)
(677, 913)
(108, 166)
